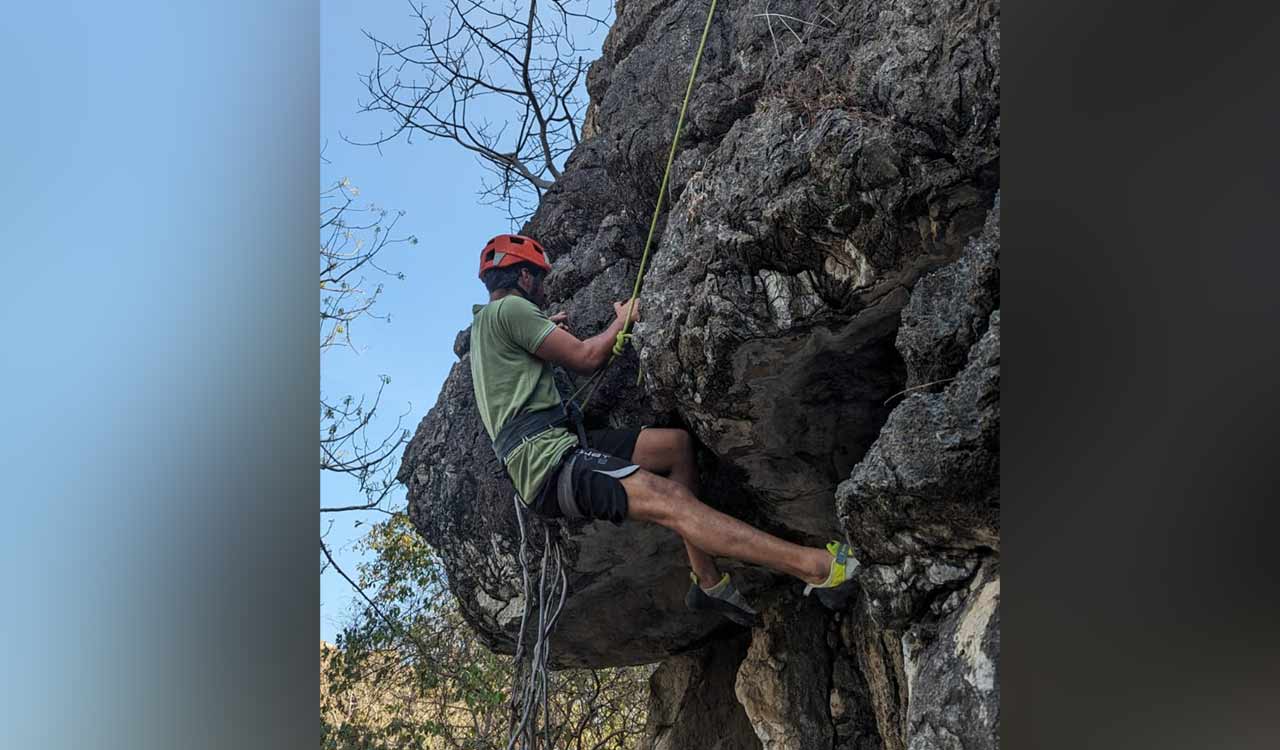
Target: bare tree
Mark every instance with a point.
(504, 81)
(351, 239)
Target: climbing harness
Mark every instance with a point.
(530, 691)
(527, 426)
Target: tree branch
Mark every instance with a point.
(517, 67)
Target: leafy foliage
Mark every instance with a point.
(408, 672)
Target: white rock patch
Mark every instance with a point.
(981, 672)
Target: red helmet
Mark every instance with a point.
(510, 249)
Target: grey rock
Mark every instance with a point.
(949, 308)
(691, 701)
(784, 681)
(930, 484)
(869, 685)
(953, 676)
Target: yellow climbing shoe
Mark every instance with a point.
(843, 566)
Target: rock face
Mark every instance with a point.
(691, 701)
(788, 656)
(954, 693)
(822, 314)
(931, 481)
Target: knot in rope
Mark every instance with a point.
(620, 342)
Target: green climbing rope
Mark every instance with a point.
(533, 692)
(624, 335)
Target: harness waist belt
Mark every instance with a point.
(525, 426)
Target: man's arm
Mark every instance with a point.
(584, 357)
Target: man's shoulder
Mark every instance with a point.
(510, 321)
(517, 313)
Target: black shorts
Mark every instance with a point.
(596, 473)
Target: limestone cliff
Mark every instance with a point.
(822, 313)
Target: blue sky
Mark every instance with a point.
(435, 183)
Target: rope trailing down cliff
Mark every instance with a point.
(624, 335)
(532, 690)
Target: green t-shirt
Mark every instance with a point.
(509, 380)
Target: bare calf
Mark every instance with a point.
(707, 530)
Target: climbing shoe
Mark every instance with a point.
(723, 598)
(836, 591)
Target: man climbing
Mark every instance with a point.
(641, 474)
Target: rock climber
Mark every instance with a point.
(646, 474)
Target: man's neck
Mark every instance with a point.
(501, 293)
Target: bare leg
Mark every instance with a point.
(669, 453)
(663, 501)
